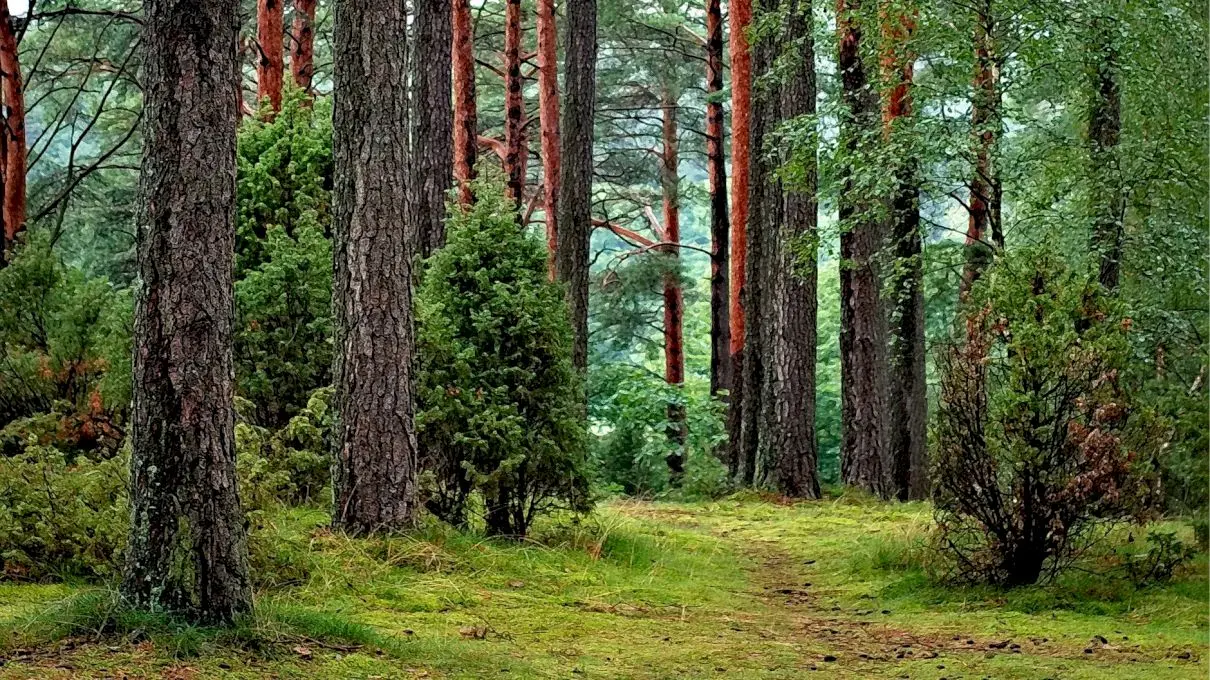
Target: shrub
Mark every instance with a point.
(1036, 438)
(1159, 559)
(59, 519)
(290, 466)
(500, 401)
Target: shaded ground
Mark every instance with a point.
(735, 589)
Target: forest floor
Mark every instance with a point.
(732, 589)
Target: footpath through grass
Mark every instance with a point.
(734, 589)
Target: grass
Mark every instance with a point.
(742, 588)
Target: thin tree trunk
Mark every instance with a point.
(270, 66)
(793, 470)
(674, 312)
(909, 466)
(374, 439)
(548, 119)
(466, 124)
(187, 549)
(864, 445)
(984, 202)
(514, 104)
(740, 16)
(1104, 133)
(575, 177)
(14, 159)
(302, 58)
(432, 120)
(720, 225)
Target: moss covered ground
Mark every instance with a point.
(742, 588)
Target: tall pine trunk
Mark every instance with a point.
(548, 120)
(984, 234)
(720, 224)
(791, 370)
(270, 64)
(12, 209)
(466, 122)
(187, 549)
(514, 104)
(1104, 133)
(432, 120)
(374, 438)
(674, 307)
(575, 178)
(740, 17)
(864, 416)
(908, 397)
(302, 57)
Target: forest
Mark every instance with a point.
(605, 338)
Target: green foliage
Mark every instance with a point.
(283, 290)
(499, 400)
(1164, 554)
(291, 465)
(64, 350)
(1037, 439)
(60, 519)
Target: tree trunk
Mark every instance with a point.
(740, 16)
(908, 398)
(374, 439)
(302, 59)
(187, 550)
(466, 124)
(674, 308)
(1104, 133)
(984, 202)
(12, 211)
(548, 119)
(720, 225)
(575, 177)
(791, 371)
(514, 104)
(270, 65)
(864, 444)
(432, 120)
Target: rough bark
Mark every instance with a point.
(187, 550)
(1104, 133)
(270, 63)
(908, 396)
(575, 178)
(983, 233)
(466, 123)
(864, 444)
(514, 104)
(302, 55)
(674, 307)
(720, 224)
(374, 438)
(740, 17)
(432, 120)
(548, 120)
(12, 211)
(791, 370)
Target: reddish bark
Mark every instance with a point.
(674, 308)
(984, 204)
(716, 163)
(466, 124)
(514, 104)
(270, 65)
(741, 117)
(13, 91)
(548, 118)
(302, 58)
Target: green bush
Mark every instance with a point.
(1037, 438)
(283, 290)
(59, 519)
(500, 409)
(290, 466)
